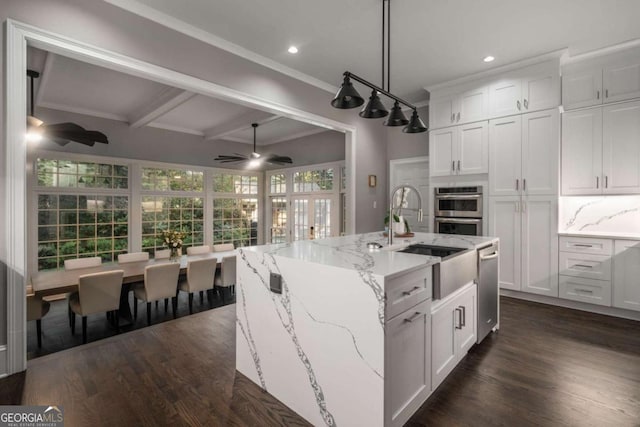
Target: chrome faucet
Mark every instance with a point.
(392, 207)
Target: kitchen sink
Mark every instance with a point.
(443, 252)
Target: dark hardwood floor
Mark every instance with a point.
(546, 366)
(56, 334)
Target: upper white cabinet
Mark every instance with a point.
(608, 79)
(467, 105)
(601, 150)
(459, 150)
(523, 154)
(524, 90)
(530, 89)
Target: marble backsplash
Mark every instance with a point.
(600, 214)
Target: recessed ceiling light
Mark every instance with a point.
(292, 49)
(488, 58)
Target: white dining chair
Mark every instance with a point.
(200, 277)
(160, 282)
(163, 254)
(78, 263)
(198, 250)
(223, 247)
(227, 277)
(133, 257)
(97, 293)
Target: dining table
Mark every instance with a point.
(54, 282)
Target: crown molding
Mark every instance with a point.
(608, 50)
(180, 26)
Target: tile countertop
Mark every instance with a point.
(351, 251)
(601, 235)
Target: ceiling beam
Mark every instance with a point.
(293, 136)
(238, 123)
(165, 102)
(44, 76)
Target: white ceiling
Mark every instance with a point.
(432, 40)
(78, 87)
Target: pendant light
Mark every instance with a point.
(254, 159)
(348, 97)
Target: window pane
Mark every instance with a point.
(69, 173)
(235, 221)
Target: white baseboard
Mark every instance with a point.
(576, 305)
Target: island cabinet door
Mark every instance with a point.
(443, 343)
(465, 324)
(407, 363)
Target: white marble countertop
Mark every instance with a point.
(601, 235)
(351, 252)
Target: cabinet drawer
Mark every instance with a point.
(585, 265)
(586, 245)
(586, 290)
(403, 292)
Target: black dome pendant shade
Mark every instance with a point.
(416, 125)
(347, 97)
(396, 117)
(374, 108)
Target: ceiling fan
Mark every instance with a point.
(254, 159)
(60, 133)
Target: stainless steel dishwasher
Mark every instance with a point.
(487, 290)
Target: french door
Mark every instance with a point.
(314, 216)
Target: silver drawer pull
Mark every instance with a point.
(597, 94)
(464, 315)
(586, 291)
(459, 325)
(582, 245)
(583, 265)
(412, 291)
(413, 317)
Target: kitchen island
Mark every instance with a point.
(342, 333)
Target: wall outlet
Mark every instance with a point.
(275, 283)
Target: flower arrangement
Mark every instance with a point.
(172, 239)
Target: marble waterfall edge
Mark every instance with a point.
(319, 346)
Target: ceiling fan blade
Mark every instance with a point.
(63, 127)
(60, 141)
(97, 136)
(278, 160)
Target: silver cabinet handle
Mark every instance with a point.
(518, 104)
(458, 117)
(517, 184)
(412, 291)
(597, 94)
(586, 291)
(606, 181)
(582, 245)
(606, 93)
(517, 205)
(464, 315)
(583, 265)
(458, 165)
(453, 117)
(459, 312)
(526, 103)
(524, 184)
(453, 165)
(597, 182)
(413, 317)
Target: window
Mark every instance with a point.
(160, 213)
(77, 226)
(278, 220)
(235, 220)
(74, 174)
(235, 184)
(160, 179)
(278, 184)
(314, 180)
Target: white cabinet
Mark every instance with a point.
(523, 154)
(459, 150)
(407, 363)
(626, 274)
(454, 330)
(530, 89)
(602, 81)
(468, 104)
(582, 152)
(585, 269)
(527, 228)
(600, 150)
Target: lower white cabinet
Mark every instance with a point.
(454, 329)
(581, 289)
(407, 363)
(527, 228)
(626, 274)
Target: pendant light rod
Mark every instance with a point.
(349, 74)
(388, 43)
